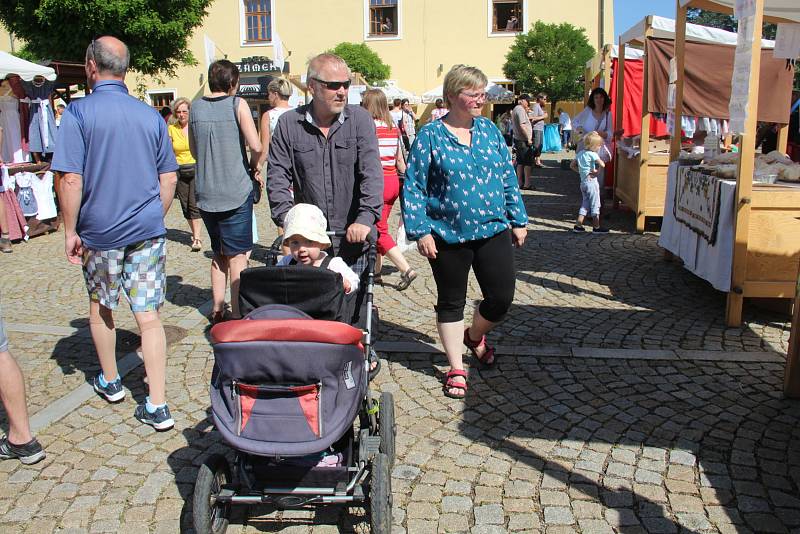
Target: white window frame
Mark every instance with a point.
(399, 36)
(243, 42)
(151, 92)
(489, 17)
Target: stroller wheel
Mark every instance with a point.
(209, 517)
(380, 495)
(387, 427)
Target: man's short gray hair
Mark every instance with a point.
(106, 59)
(316, 63)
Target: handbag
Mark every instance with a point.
(256, 189)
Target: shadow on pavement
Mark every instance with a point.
(607, 431)
(76, 352)
(203, 441)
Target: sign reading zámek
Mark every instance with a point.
(257, 64)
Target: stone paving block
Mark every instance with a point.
(489, 514)
(558, 515)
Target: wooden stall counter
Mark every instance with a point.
(641, 185)
(773, 247)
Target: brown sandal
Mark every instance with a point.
(488, 359)
(450, 383)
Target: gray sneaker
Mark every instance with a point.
(28, 453)
(5, 245)
(160, 419)
(113, 392)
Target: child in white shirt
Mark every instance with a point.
(304, 231)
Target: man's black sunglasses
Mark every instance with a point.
(334, 86)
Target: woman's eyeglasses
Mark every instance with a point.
(333, 86)
(474, 96)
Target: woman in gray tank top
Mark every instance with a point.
(219, 128)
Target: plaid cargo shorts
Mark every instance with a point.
(140, 269)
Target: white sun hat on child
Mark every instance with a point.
(308, 221)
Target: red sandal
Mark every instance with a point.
(488, 359)
(450, 383)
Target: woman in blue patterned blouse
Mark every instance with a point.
(462, 205)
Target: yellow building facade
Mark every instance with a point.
(419, 39)
(420, 43)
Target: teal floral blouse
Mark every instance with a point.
(457, 192)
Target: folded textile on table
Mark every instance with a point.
(697, 202)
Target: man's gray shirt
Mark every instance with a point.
(341, 174)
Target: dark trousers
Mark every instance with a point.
(492, 261)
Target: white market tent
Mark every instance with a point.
(24, 69)
(392, 91)
(494, 93)
(664, 28)
(774, 10)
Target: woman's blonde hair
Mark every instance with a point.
(182, 100)
(281, 86)
(374, 101)
(592, 140)
(462, 77)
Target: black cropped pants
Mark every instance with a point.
(492, 261)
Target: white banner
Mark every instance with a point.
(740, 82)
(278, 51)
(787, 41)
(210, 49)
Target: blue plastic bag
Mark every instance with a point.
(552, 139)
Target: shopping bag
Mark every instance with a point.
(402, 241)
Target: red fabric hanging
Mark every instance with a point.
(632, 101)
(15, 221)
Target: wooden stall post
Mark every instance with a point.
(791, 377)
(606, 66)
(744, 181)
(783, 138)
(644, 144)
(680, 65)
(618, 111)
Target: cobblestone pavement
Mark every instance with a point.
(541, 443)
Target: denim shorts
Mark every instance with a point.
(231, 232)
(139, 269)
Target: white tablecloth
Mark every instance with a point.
(711, 263)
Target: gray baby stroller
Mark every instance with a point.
(290, 394)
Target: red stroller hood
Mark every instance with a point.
(286, 330)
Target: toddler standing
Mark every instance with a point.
(588, 162)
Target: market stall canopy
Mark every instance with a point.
(24, 69)
(664, 28)
(708, 73)
(777, 10)
(594, 64)
(494, 93)
(392, 91)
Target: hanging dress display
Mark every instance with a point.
(42, 128)
(15, 222)
(42, 185)
(11, 150)
(25, 196)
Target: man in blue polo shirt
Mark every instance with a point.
(118, 176)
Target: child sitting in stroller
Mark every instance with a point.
(304, 228)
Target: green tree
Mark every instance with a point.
(362, 59)
(550, 59)
(156, 31)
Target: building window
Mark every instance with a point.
(159, 100)
(383, 20)
(258, 21)
(506, 16)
